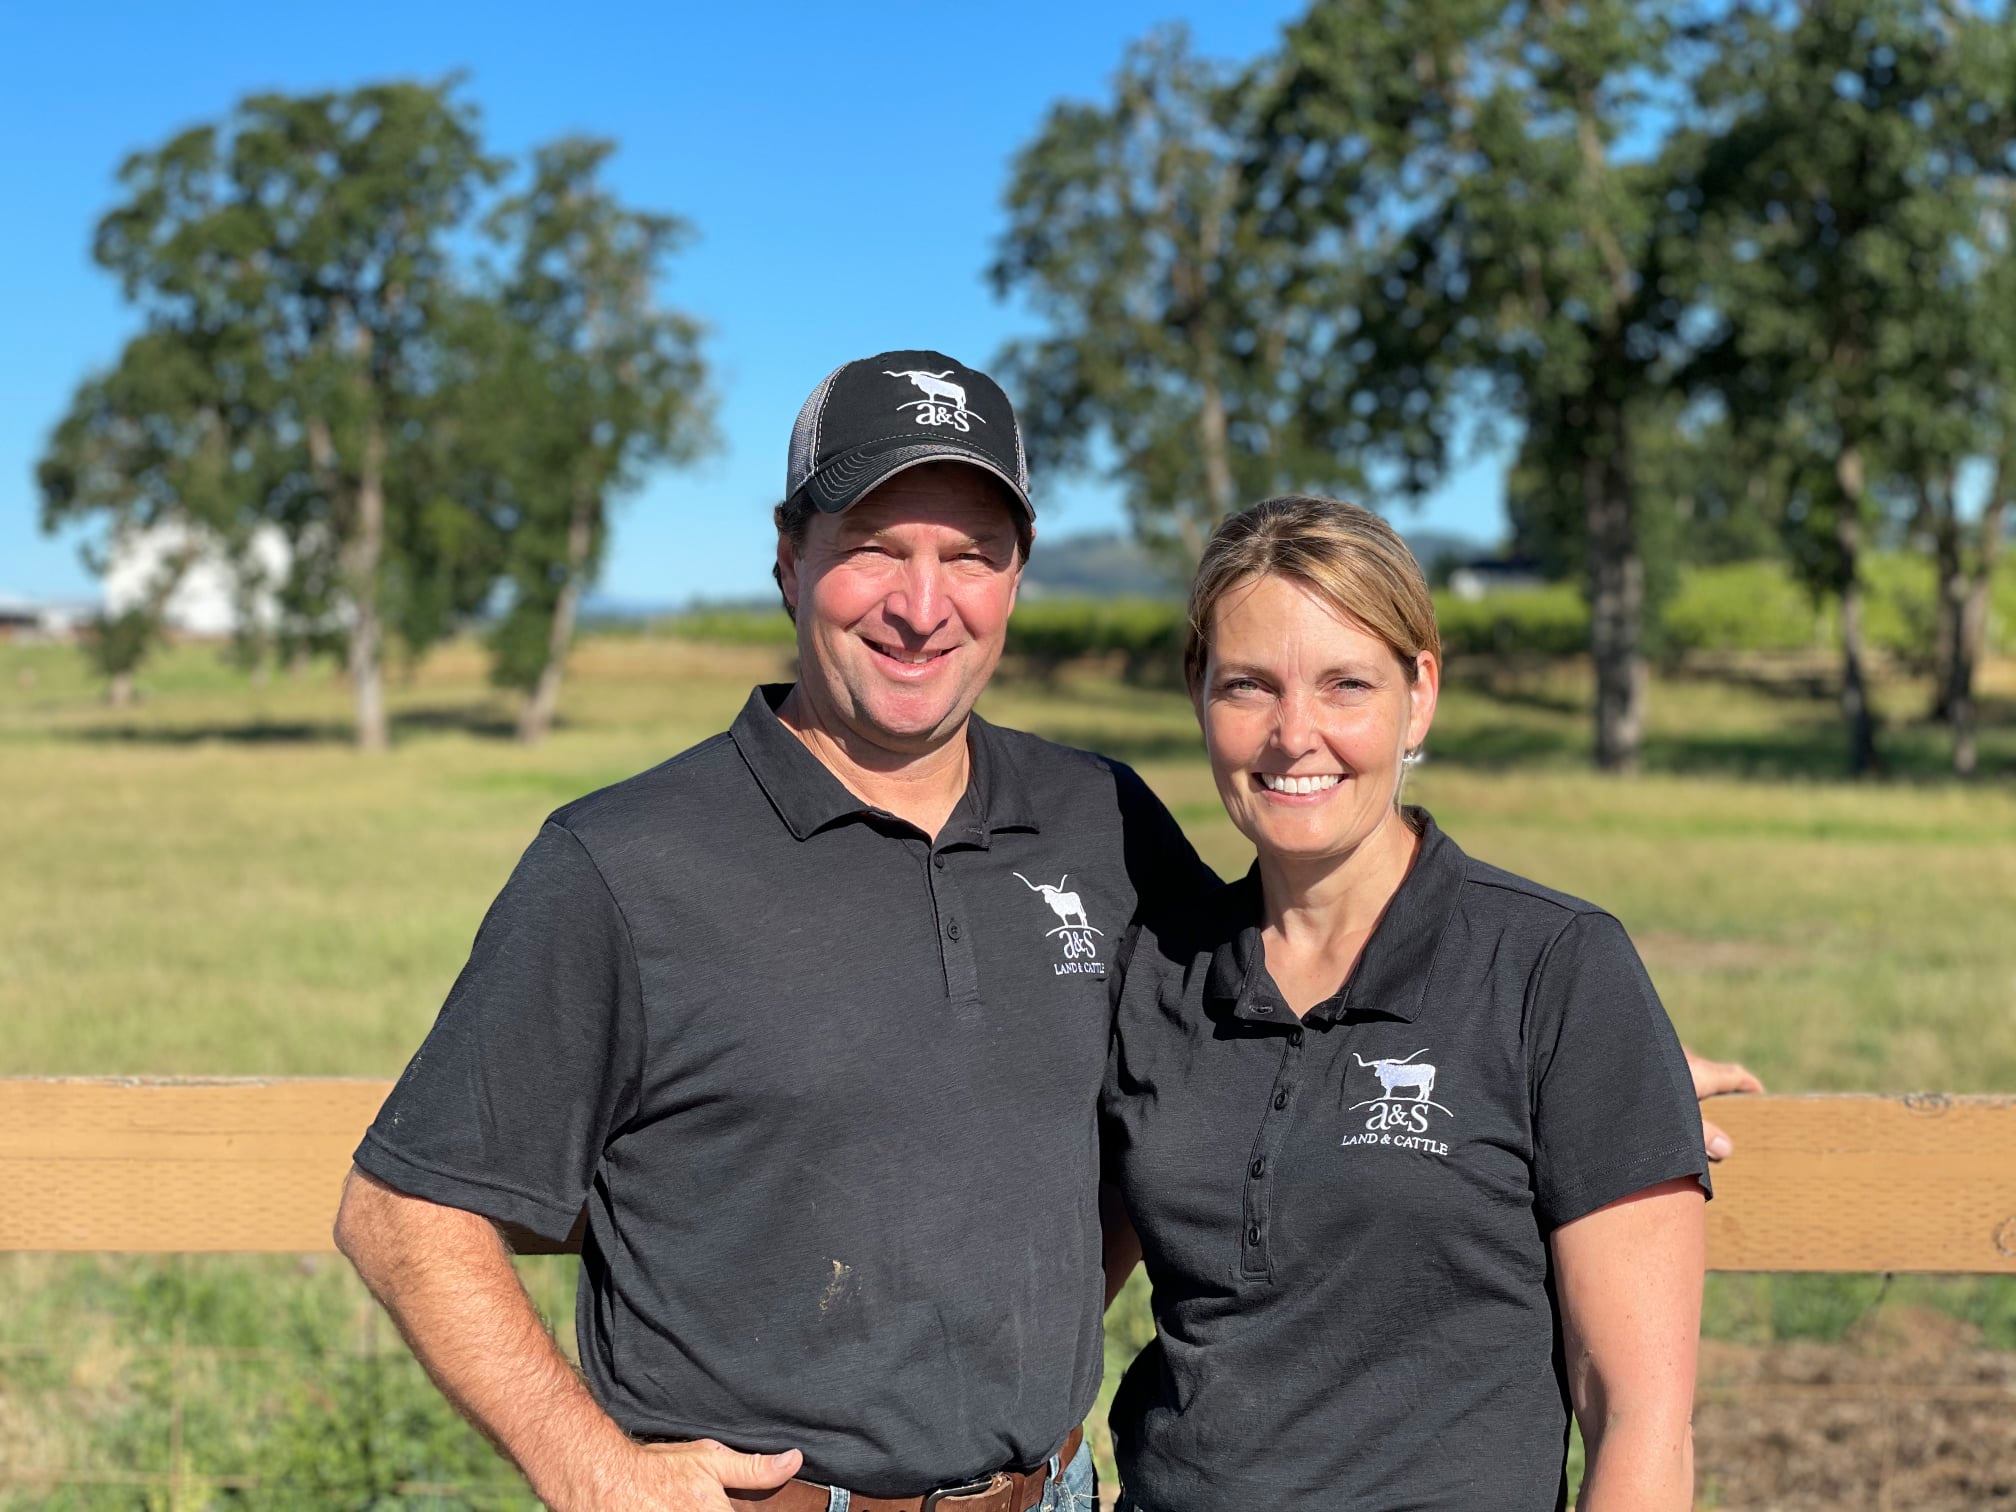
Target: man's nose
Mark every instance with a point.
(919, 603)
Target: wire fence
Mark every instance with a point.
(1888, 1402)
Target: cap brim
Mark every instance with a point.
(846, 480)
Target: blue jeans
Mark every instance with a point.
(1076, 1491)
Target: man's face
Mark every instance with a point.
(902, 603)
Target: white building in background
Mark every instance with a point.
(34, 619)
(207, 599)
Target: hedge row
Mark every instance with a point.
(1745, 607)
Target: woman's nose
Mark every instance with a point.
(1295, 724)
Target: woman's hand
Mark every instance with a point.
(1713, 1078)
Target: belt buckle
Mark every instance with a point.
(934, 1499)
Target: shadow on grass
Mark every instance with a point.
(477, 720)
(1131, 747)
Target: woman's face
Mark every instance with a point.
(1307, 716)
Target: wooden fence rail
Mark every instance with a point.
(1827, 1183)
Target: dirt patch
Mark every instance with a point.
(1911, 1413)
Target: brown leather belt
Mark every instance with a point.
(1003, 1491)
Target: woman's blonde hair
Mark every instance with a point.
(1343, 553)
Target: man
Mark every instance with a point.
(811, 1019)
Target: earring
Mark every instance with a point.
(1412, 758)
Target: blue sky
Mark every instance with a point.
(843, 164)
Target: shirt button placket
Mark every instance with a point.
(1253, 1259)
(955, 932)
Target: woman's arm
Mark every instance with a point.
(1629, 1279)
(1120, 1245)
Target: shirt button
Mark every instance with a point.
(1281, 1099)
(939, 861)
(1259, 1165)
(952, 929)
(1253, 1234)
(1295, 1038)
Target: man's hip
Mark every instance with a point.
(1064, 1483)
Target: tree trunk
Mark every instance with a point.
(535, 719)
(120, 691)
(1970, 639)
(1855, 708)
(1616, 594)
(1949, 604)
(363, 553)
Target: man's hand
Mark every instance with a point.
(1713, 1078)
(700, 1476)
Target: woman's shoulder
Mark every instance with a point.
(1494, 888)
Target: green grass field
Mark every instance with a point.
(215, 883)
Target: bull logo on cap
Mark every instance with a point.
(943, 403)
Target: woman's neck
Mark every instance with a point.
(1319, 914)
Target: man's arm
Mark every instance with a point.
(1629, 1279)
(1714, 1078)
(449, 1284)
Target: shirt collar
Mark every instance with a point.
(1391, 977)
(808, 797)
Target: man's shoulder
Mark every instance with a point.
(690, 784)
(1065, 772)
(1032, 751)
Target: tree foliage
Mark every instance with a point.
(1176, 348)
(318, 354)
(1846, 195)
(601, 382)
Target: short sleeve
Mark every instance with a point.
(1613, 1104)
(1167, 873)
(533, 1060)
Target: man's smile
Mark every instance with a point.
(904, 661)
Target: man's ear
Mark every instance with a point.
(787, 571)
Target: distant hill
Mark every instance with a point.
(1100, 565)
(1110, 565)
(1096, 564)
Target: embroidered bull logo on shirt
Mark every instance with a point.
(1081, 950)
(1398, 1073)
(943, 403)
(1400, 1112)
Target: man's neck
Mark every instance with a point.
(919, 787)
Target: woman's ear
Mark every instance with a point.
(1422, 696)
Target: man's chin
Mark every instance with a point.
(910, 719)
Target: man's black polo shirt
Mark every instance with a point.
(1345, 1217)
(828, 1089)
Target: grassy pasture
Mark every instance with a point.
(215, 883)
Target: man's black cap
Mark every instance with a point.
(876, 416)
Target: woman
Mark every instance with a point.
(1408, 1141)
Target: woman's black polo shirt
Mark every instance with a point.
(829, 1089)
(1345, 1217)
